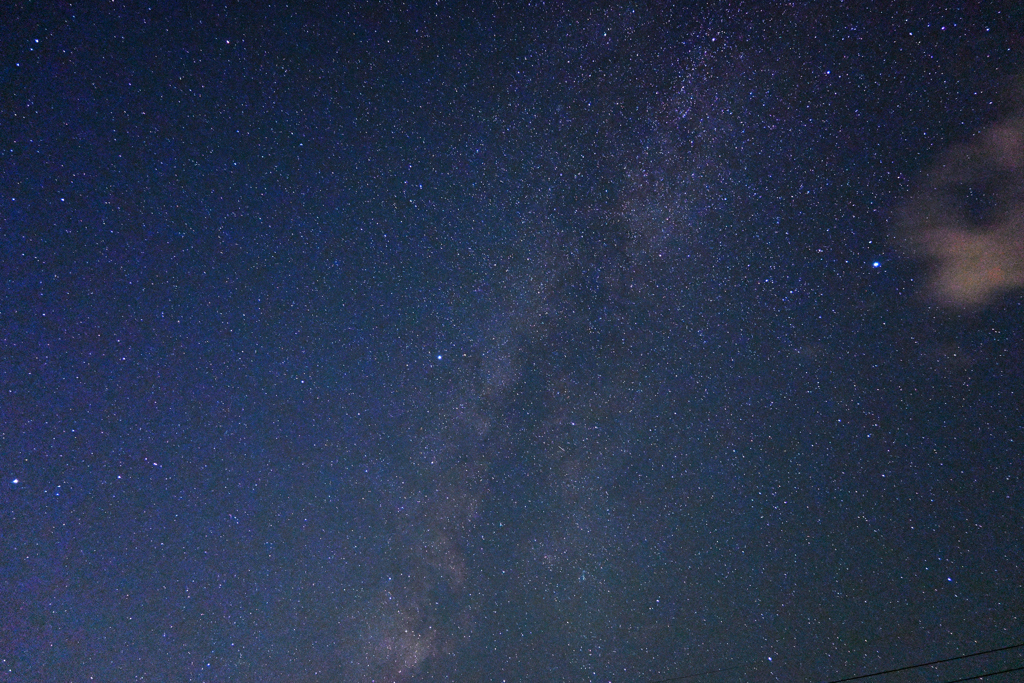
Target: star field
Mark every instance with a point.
(509, 342)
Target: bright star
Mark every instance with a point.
(875, 264)
(15, 481)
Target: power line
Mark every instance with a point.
(937, 661)
(875, 673)
(993, 673)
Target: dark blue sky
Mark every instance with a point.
(521, 342)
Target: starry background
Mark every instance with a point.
(518, 342)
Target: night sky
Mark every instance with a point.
(583, 342)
